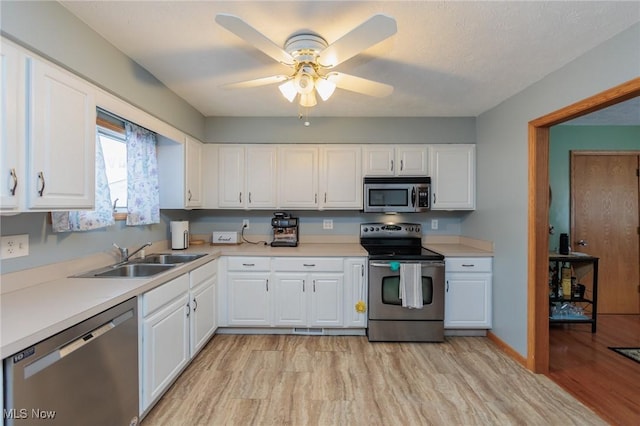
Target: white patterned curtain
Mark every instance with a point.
(84, 220)
(143, 199)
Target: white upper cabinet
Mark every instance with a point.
(12, 171)
(395, 160)
(298, 176)
(341, 177)
(62, 138)
(453, 176)
(247, 176)
(193, 173)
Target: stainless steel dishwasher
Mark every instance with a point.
(84, 375)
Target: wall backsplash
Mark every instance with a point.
(47, 247)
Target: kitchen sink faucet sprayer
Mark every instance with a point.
(124, 252)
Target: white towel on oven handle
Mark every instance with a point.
(411, 285)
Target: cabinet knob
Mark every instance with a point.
(583, 243)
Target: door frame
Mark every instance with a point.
(538, 215)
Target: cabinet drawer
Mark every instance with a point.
(203, 273)
(311, 264)
(249, 264)
(468, 264)
(164, 294)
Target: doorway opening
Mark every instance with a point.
(538, 222)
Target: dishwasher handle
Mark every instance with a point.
(56, 355)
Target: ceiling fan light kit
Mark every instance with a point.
(310, 56)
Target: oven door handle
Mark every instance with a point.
(386, 265)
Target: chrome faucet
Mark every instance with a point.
(124, 252)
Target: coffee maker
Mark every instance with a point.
(285, 230)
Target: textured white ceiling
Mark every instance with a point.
(447, 58)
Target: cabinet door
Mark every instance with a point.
(467, 300)
(290, 298)
(62, 123)
(261, 176)
(12, 174)
(165, 348)
(230, 176)
(341, 177)
(193, 172)
(249, 299)
(453, 177)
(202, 315)
(379, 160)
(411, 160)
(298, 177)
(326, 302)
(355, 291)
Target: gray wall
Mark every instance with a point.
(47, 28)
(502, 174)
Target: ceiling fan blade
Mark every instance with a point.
(367, 34)
(257, 82)
(360, 85)
(253, 37)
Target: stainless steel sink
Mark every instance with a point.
(129, 270)
(167, 259)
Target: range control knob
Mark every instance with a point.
(417, 229)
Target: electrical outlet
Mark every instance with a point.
(14, 246)
(434, 223)
(327, 224)
(245, 223)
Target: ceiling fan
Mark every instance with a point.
(311, 58)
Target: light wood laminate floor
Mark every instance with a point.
(338, 380)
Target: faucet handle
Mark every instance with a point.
(124, 252)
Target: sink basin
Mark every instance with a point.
(126, 271)
(168, 259)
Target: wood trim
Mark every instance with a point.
(512, 353)
(109, 125)
(538, 227)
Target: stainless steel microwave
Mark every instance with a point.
(397, 194)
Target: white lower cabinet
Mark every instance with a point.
(165, 337)
(356, 290)
(468, 284)
(248, 292)
(177, 319)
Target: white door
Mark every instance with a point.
(12, 173)
(62, 140)
(202, 315)
(193, 172)
(411, 160)
(261, 176)
(378, 160)
(230, 176)
(341, 177)
(290, 299)
(249, 301)
(326, 302)
(165, 348)
(453, 177)
(298, 177)
(467, 300)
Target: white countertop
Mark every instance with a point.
(36, 312)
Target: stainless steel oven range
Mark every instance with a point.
(389, 247)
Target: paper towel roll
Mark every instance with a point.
(179, 234)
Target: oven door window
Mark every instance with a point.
(379, 197)
(391, 290)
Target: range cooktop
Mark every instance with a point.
(395, 241)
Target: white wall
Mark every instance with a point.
(502, 173)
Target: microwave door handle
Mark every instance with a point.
(413, 197)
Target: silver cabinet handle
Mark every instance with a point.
(362, 270)
(468, 265)
(434, 198)
(447, 290)
(195, 304)
(189, 196)
(249, 198)
(325, 197)
(188, 309)
(41, 178)
(248, 264)
(303, 290)
(401, 165)
(240, 197)
(267, 285)
(314, 286)
(315, 198)
(14, 177)
(309, 265)
(391, 165)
